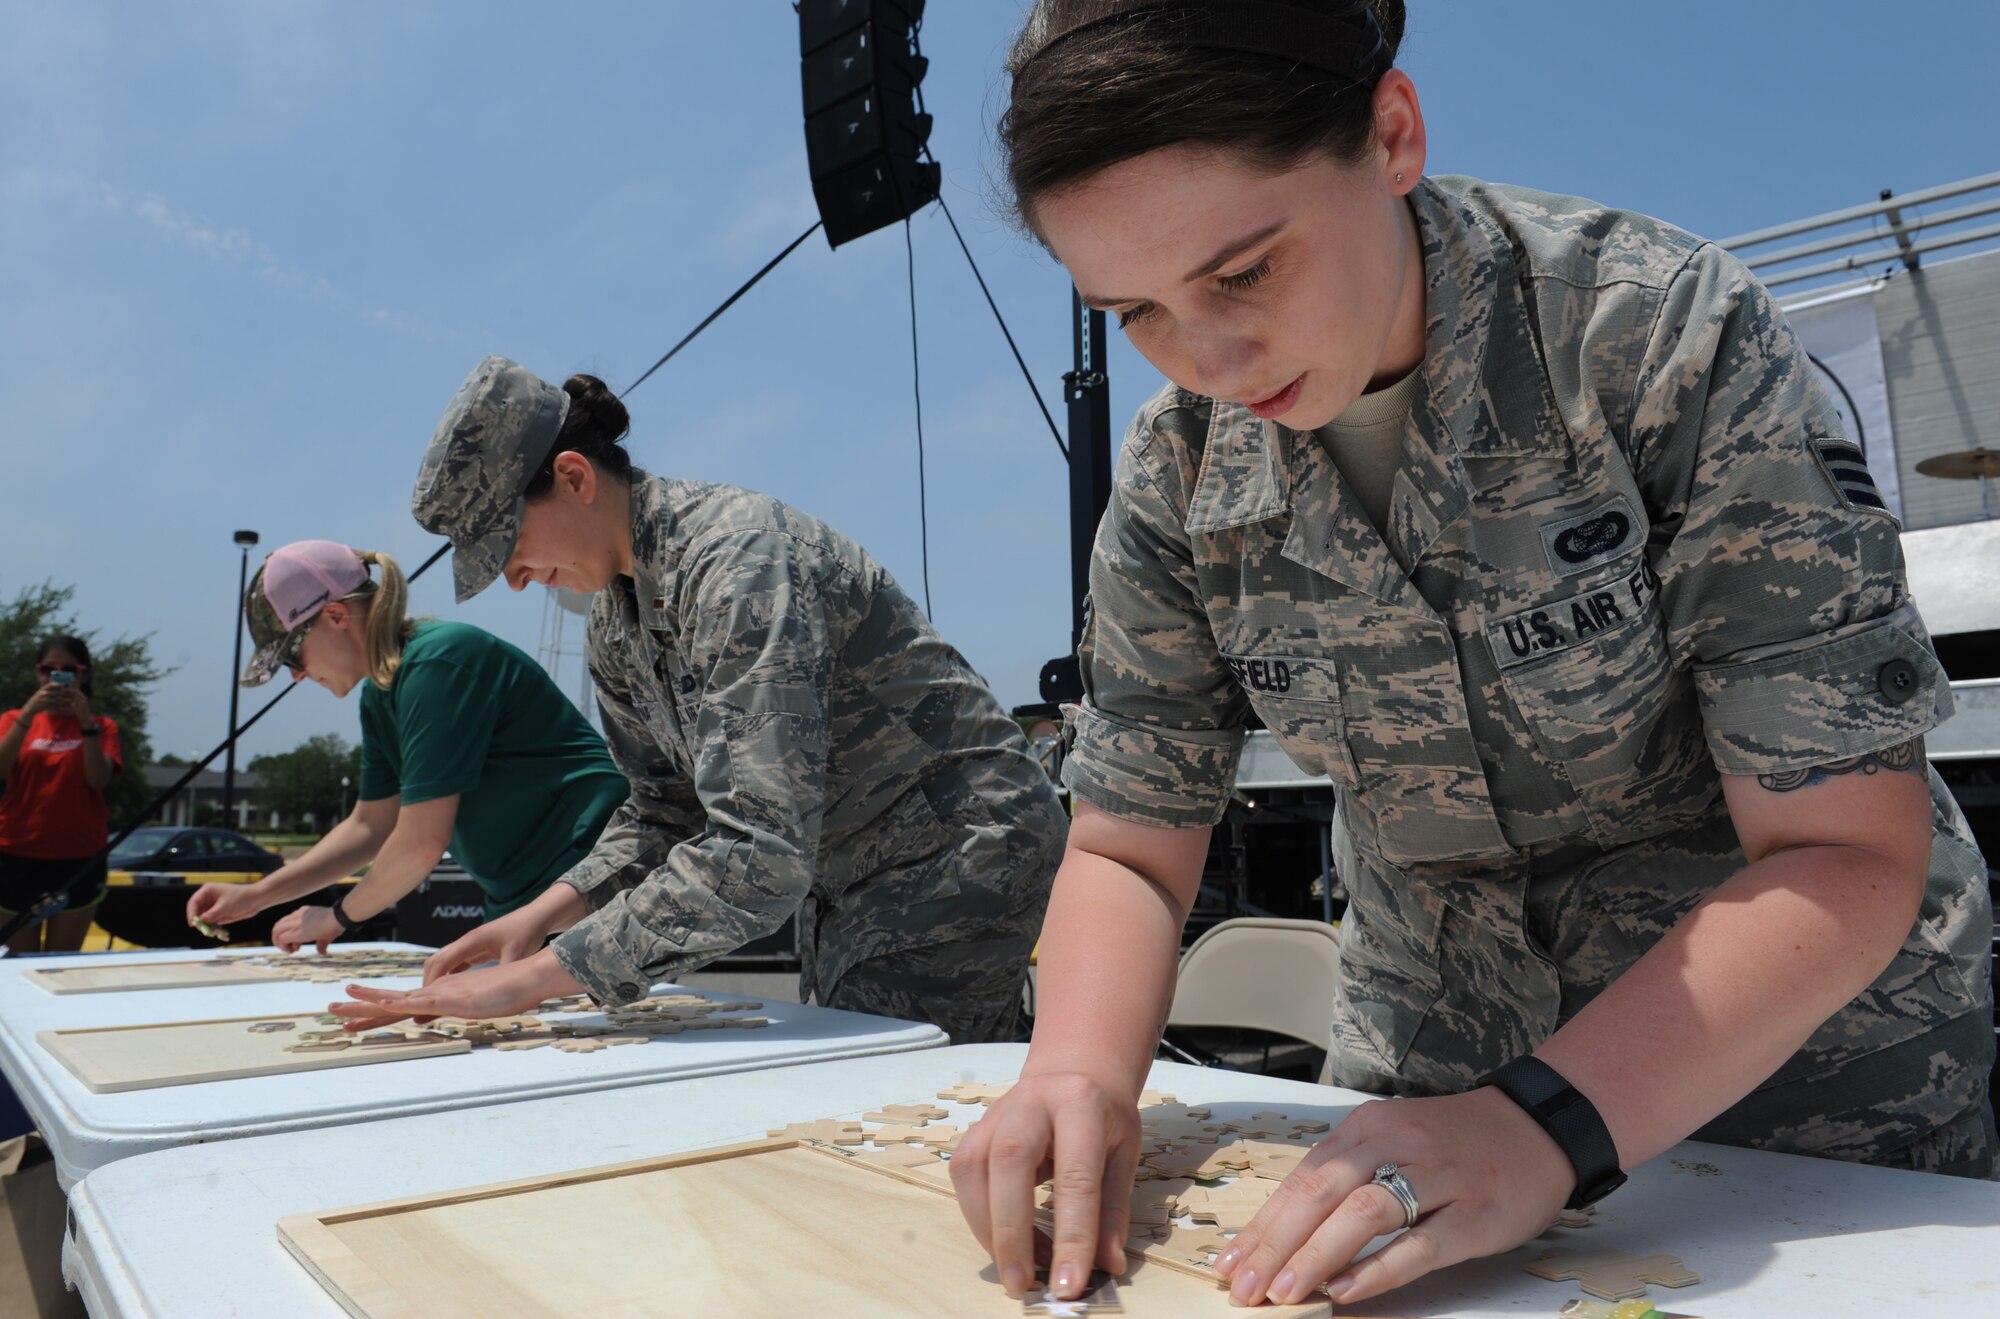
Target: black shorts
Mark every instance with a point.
(26, 880)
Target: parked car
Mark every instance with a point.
(193, 851)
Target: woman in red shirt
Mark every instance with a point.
(56, 758)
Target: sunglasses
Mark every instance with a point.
(50, 670)
(292, 654)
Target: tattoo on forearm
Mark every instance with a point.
(1908, 757)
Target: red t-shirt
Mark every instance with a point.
(50, 811)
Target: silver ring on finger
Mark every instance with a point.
(1392, 1179)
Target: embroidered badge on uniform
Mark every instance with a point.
(1847, 467)
(1579, 543)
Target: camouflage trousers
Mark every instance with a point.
(1449, 972)
(971, 991)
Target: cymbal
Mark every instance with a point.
(1964, 465)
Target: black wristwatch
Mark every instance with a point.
(1571, 1121)
(347, 923)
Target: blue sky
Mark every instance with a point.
(249, 248)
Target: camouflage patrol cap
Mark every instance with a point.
(500, 426)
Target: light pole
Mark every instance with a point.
(246, 539)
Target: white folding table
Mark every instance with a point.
(87, 1130)
(194, 1230)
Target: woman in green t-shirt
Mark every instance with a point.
(466, 744)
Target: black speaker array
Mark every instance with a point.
(860, 69)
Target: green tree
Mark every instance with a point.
(120, 673)
(306, 780)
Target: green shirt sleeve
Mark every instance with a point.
(444, 724)
(379, 778)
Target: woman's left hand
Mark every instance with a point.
(1486, 1176)
(314, 925)
(494, 991)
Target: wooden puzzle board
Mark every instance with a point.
(775, 1228)
(149, 975)
(110, 1059)
(209, 972)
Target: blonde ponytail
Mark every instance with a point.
(388, 628)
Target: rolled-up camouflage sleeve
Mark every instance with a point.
(1783, 585)
(662, 809)
(1160, 730)
(755, 604)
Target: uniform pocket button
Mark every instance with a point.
(1898, 680)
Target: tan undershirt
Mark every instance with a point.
(1366, 443)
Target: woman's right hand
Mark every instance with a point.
(218, 905)
(512, 937)
(1063, 1126)
(49, 698)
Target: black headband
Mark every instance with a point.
(1347, 44)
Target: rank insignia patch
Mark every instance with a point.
(1847, 467)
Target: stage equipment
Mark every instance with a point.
(860, 70)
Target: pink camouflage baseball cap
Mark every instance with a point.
(295, 583)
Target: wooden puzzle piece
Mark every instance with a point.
(1100, 1296)
(1154, 1098)
(532, 1042)
(1229, 1207)
(913, 1113)
(1574, 1218)
(341, 964)
(898, 1133)
(317, 1046)
(1582, 1309)
(1168, 1112)
(268, 1027)
(1236, 1156)
(1186, 1164)
(1271, 1160)
(1614, 1275)
(826, 1131)
(1197, 1245)
(1310, 1126)
(901, 1156)
(1184, 1131)
(1260, 1126)
(974, 1092)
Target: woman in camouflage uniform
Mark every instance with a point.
(1525, 521)
(799, 740)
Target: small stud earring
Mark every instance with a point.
(1399, 178)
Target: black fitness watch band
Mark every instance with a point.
(1571, 1121)
(340, 916)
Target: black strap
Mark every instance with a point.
(1571, 1120)
(341, 917)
